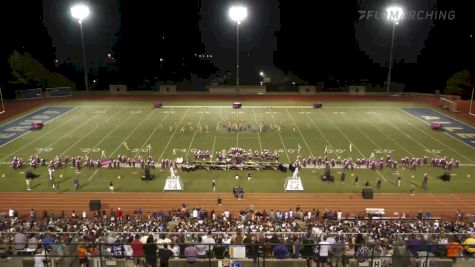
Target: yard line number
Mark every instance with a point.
(383, 151)
(336, 150)
(89, 150)
(433, 151)
(43, 149)
(134, 112)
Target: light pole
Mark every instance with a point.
(80, 12)
(394, 14)
(237, 14)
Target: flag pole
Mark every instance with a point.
(3, 106)
(469, 111)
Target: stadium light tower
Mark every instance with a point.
(80, 12)
(394, 15)
(237, 14)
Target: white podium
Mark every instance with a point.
(293, 184)
(173, 184)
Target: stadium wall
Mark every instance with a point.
(167, 89)
(307, 89)
(250, 90)
(231, 90)
(117, 89)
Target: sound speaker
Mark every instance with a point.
(445, 177)
(94, 205)
(147, 176)
(367, 193)
(291, 167)
(282, 168)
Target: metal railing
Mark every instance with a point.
(260, 254)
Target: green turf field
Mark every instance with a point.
(371, 127)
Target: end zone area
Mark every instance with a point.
(20, 126)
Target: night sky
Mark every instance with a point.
(257, 39)
(218, 32)
(99, 28)
(315, 40)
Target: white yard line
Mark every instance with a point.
(84, 136)
(321, 133)
(216, 131)
(278, 107)
(460, 140)
(132, 132)
(280, 136)
(171, 137)
(349, 141)
(377, 127)
(470, 126)
(408, 136)
(111, 131)
(237, 130)
(41, 136)
(19, 118)
(230, 107)
(303, 138)
(150, 136)
(385, 134)
(68, 133)
(430, 136)
(258, 131)
(120, 144)
(194, 134)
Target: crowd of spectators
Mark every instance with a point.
(292, 233)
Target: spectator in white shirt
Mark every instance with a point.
(40, 259)
(324, 251)
(176, 250)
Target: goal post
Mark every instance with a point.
(1, 99)
(471, 104)
(448, 104)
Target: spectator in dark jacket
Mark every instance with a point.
(150, 252)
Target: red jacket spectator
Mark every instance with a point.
(119, 214)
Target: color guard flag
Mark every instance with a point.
(372, 155)
(103, 154)
(350, 147)
(125, 145)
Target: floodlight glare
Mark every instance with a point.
(394, 14)
(238, 13)
(80, 12)
(261, 74)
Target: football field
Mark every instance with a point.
(339, 129)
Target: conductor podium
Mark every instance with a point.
(173, 182)
(293, 183)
